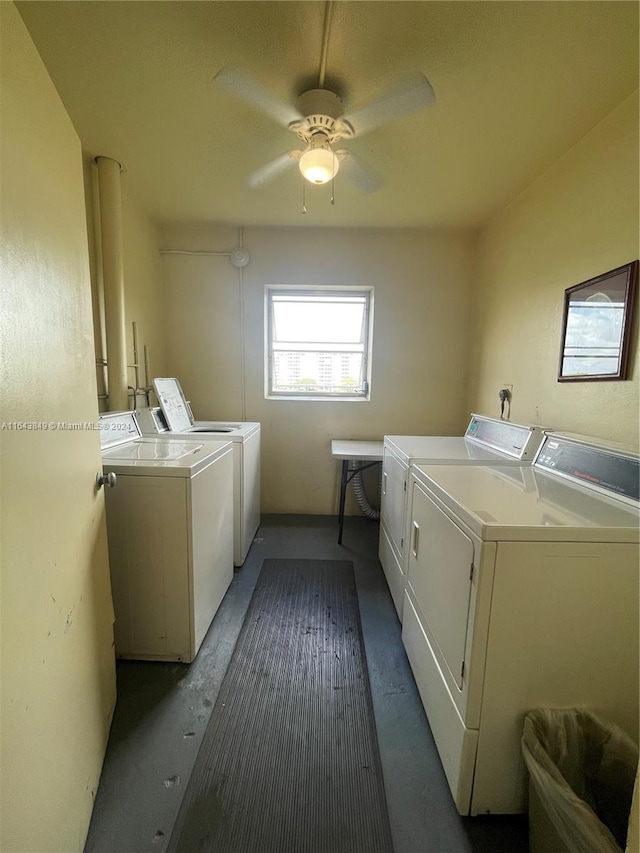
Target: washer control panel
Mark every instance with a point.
(117, 428)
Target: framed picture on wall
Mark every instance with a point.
(596, 326)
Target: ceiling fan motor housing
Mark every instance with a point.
(320, 102)
(321, 108)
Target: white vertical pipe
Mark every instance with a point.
(243, 377)
(97, 290)
(113, 276)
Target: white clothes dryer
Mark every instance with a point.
(174, 419)
(170, 532)
(485, 442)
(522, 592)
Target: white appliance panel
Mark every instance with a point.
(487, 441)
(448, 448)
(457, 743)
(246, 438)
(521, 441)
(563, 633)
(393, 498)
(211, 510)
(442, 583)
(543, 508)
(146, 457)
(461, 590)
(609, 469)
(249, 511)
(147, 449)
(392, 570)
(170, 530)
(149, 557)
(552, 615)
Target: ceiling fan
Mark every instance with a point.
(319, 120)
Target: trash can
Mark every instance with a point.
(582, 770)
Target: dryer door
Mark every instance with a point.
(439, 575)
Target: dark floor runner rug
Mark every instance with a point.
(289, 762)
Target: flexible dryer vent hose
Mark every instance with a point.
(361, 497)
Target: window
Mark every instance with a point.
(318, 342)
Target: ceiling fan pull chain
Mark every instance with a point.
(333, 184)
(304, 206)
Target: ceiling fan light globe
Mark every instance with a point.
(319, 165)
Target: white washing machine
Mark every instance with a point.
(174, 419)
(486, 441)
(170, 532)
(522, 592)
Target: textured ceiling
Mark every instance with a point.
(517, 84)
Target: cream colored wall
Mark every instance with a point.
(58, 668)
(142, 290)
(421, 326)
(142, 280)
(577, 220)
(203, 328)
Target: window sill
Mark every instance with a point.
(303, 398)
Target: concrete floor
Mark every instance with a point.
(163, 709)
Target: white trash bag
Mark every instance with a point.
(581, 776)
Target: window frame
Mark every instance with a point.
(271, 290)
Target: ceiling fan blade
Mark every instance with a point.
(272, 169)
(414, 94)
(364, 178)
(239, 83)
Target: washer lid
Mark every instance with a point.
(161, 458)
(536, 506)
(155, 449)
